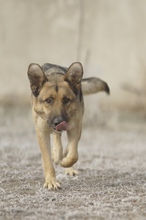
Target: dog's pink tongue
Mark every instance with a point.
(61, 126)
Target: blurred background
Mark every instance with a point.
(107, 37)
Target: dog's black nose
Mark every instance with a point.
(58, 120)
(60, 124)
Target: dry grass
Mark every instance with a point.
(111, 182)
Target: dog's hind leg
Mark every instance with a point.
(57, 153)
(71, 171)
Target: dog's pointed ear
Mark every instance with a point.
(74, 73)
(36, 77)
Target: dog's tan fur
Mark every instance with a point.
(57, 99)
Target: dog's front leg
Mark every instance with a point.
(69, 170)
(72, 148)
(44, 142)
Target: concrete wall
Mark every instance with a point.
(108, 37)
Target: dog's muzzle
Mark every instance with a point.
(59, 124)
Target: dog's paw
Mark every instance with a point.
(52, 184)
(68, 161)
(71, 172)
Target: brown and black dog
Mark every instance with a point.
(57, 105)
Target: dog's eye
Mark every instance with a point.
(49, 100)
(66, 100)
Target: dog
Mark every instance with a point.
(57, 106)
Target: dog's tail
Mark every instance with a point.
(93, 85)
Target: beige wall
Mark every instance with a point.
(108, 37)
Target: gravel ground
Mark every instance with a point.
(112, 173)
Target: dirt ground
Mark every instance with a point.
(112, 173)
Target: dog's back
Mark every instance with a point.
(89, 85)
(49, 69)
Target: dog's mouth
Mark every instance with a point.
(62, 126)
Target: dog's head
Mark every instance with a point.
(56, 96)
